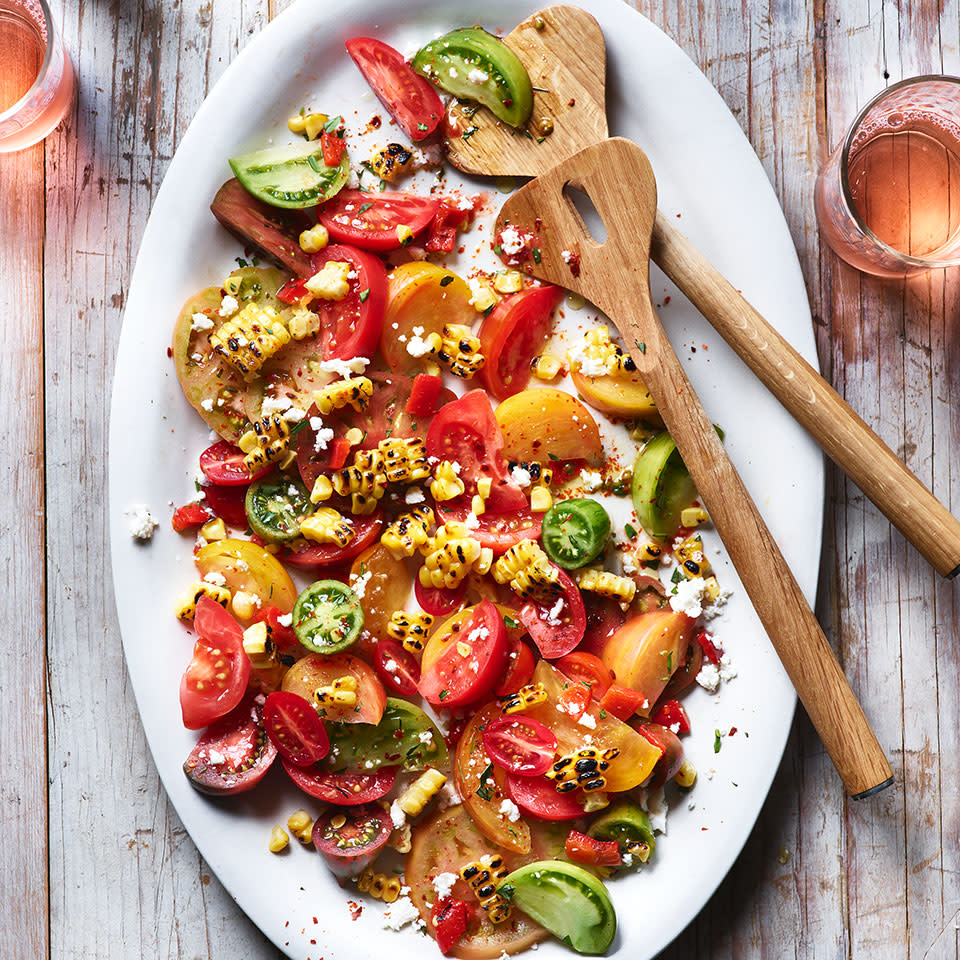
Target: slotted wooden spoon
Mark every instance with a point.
(617, 177)
(563, 50)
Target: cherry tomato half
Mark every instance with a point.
(222, 463)
(320, 670)
(538, 796)
(497, 530)
(672, 712)
(438, 601)
(295, 729)
(370, 220)
(520, 664)
(552, 638)
(397, 669)
(520, 745)
(307, 555)
(587, 669)
(350, 840)
(217, 676)
(344, 789)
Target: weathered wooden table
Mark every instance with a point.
(93, 861)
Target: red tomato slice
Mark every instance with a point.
(351, 327)
(520, 664)
(343, 789)
(308, 556)
(538, 796)
(370, 220)
(397, 669)
(672, 752)
(410, 98)
(621, 702)
(350, 840)
(520, 745)
(467, 432)
(587, 669)
(190, 515)
(222, 463)
(295, 729)
(438, 601)
(497, 530)
(228, 503)
(556, 639)
(581, 848)
(454, 680)
(217, 676)
(512, 335)
(604, 619)
(233, 754)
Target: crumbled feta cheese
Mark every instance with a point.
(510, 240)
(454, 73)
(627, 859)
(391, 666)
(323, 434)
(285, 620)
(510, 810)
(344, 368)
(443, 883)
(656, 805)
(688, 597)
(228, 306)
(425, 736)
(272, 405)
(448, 796)
(197, 357)
(399, 914)
(471, 521)
(416, 346)
(553, 614)
(215, 756)
(207, 404)
(414, 495)
(715, 607)
(478, 76)
(727, 669)
(588, 721)
(142, 523)
(216, 578)
(294, 415)
(629, 563)
(709, 677)
(397, 815)
(674, 727)
(567, 256)
(359, 584)
(200, 322)
(592, 480)
(521, 476)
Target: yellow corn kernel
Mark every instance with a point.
(392, 161)
(409, 532)
(401, 839)
(605, 584)
(404, 234)
(232, 285)
(303, 323)
(322, 489)
(524, 698)
(638, 850)
(650, 552)
(353, 436)
(326, 525)
(309, 123)
(528, 571)
(540, 499)
(547, 367)
(248, 442)
(353, 392)
(450, 556)
(459, 350)
(508, 281)
(484, 487)
(244, 605)
(711, 589)
(421, 792)
(214, 529)
(404, 460)
(365, 879)
(271, 437)
(409, 629)
(691, 558)
(342, 692)
(477, 505)
(484, 297)
(693, 516)
(364, 481)
(597, 356)
(464, 649)
(314, 239)
(331, 281)
(259, 647)
(595, 800)
(187, 602)
(498, 908)
(279, 838)
(300, 824)
(391, 889)
(686, 776)
(250, 338)
(446, 484)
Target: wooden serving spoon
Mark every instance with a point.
(563, 50)
(617, 177)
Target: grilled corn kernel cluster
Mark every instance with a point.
(409, 629)
(379, 885)
(482, 875)
(267, 442)
(187, 603)
(309, 124)
(459, 351)
(445, 485)
(331, 281)
(691, 558)
(409, 533)
(341, 693)
(421, 792)
(528, 571)
(404, 460)
(525, 698)
(259, 647)
(650, 552)
(303, 323)
(326, 525)
(584, 769)
(597, 356)
(353, 391)
(450, 555)
(546, 366)
(300, 824)
(364, 481)
(391, 162)
(250, 338)
(606, 584)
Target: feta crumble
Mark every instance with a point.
(588, 721)
(443, 883)
(688, 597)
(397, 816)
(141, 522)
(592, 480)
(414, 495)
(207, 404)
(478, 76)
(727, 669)
(216, 578)
(200, 322)
(344, 368)
(709, 677)
(401, 912)
(510, 810)
(416, 346)
(285, 620)
(359, 584)
(510, 240)
(272, 405)
(521, 476)
(228, 306)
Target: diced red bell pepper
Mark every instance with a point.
(190, 515)
(620, 701)
(710, 650)
(450, 919)
(442, 237)
(670, 713)
(574, 701)
(596, 853)
(333, 148)
(424, 395)
(293, 291)
(339, 451)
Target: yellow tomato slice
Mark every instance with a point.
(616, 396)
(317, 670)
(543, 421)
(421, 294)
(637, 756)
(248, 567)
(442, 637)
(383, 585)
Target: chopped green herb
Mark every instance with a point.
(296, 428)
(483, 790)
(364, 294)
(509, 621)
(446, 279)
(487, 312)
(332, 124)
(506, 890)
(467, 134)
(536, 254)
(312, 160)
(444, 694)
(677, 576)
(552, 456)
(629, 530)
(241, 262)
(364, 207)
(497, 249)
(603, 714)
(717, 741)
(642, 347)
(422, 126)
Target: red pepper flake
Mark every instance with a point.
(169, 352)
(573, 262)
(315, 920)
(733, 730)
(537, 224)
(571, 102)
(355, 909)
(666, 299)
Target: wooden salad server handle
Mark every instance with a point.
(563, 49)
(617, 177)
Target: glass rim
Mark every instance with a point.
(904, 258)
(37, 84)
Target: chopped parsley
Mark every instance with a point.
(717, 741)
(364, 294)
(332, 124)
(422, 126)
(629, 530)
(444, 694)
(536, 254)
(446, 279)
(365, 207)
(509, 621)
(483, 790)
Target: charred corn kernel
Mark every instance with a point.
(214, 529)
(584, 769)
(353, 392)
(650, 552)
(606, 584)
(484, 563)
(404, 234)
(248, 442)
(508, 281)
(331, 281)
(391, 889)
(638, 850)
(310, 124)
(187, 602)
(546, 367)
(459, 350)
(279, 838)
(314, 239)
(498, 908)
(392, 161)
(445, 484)
(484, 487)
(597, 356)
(322, 489)
(379, 885)
(401, 839)
(404, 460)
(244, 605)
(483, 296)
(528, 571)
(421, 792)
(711, 589)
(342, 692)
(409, 532)
(691, 558)
(693, 516)
(250, 338)
(365, 879)
(540, 499)
(686, 776)
(597, 800)
(353, 436)
(526, 697)
(232, 285)
(300, 824)
(539, 474)
(364, 481)
(464, 649)
(303, 323)
(269, 443)
(482, 873)
(326, 525)
(410, 629)
(451, 554)
(258, 646)
(477, 505)
(286, 459)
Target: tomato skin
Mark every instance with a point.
(190, 515)
(621, 702)
(604, 618)
(450, 918)
(519, 669)
(466, 431)
(512, 335)
(222, 463)
(410, 98)
(581, 848)
(295, 729)
(556, 641)
(348, 861)
(379, 215)
(539, 797)
(498, 530)
(686, 675)
(519, 745)
(219, 648)
(243, 725)
(671, 750)
(332, 147)
(342, 789)
(424, 395)
(586, 669)
(228, 503)
(438, 601)
(312, 556)
(544, 422)
(403, 679)
(670, 713)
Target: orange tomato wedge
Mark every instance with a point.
(542, 423)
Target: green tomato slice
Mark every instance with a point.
(625, 822)
(275, 506)
(292, 175)
(661, 486)
(570, 902)
(574, 532)
(327, 617)
(405, 736)
(475, 65)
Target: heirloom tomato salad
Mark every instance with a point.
(449, 575)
